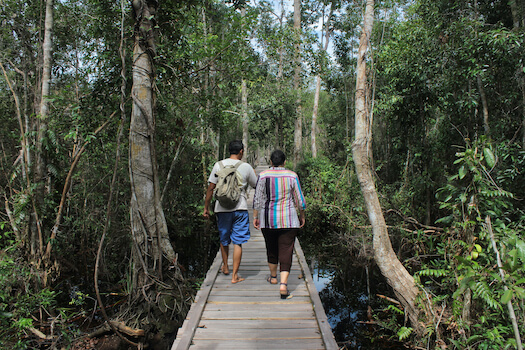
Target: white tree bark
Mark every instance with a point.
(395, 273)
(298, 134)
(244, 97)
(37, 239)
(148, 224)
(313, 134)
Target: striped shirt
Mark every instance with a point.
(277, 195)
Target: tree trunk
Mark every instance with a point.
(148, 225)
(298, 135)
(395, 273)
(485, 105)
(313, 135)
(244, 93)
(244, 97)
(37, 239)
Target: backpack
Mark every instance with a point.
(228, 188)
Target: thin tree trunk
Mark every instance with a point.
(515, 13)
(523, 111)
(395, 273)
(37, 239)
(148, 224)
(281, 49)
(318, 89)
(244, 97)
(512, 314)
(298, 135)
(313, 131)
(485, 105)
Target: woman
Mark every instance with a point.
(277, 201)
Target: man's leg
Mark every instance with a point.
(237, 256)
(224, 224)
(224, 252)
(240, 234)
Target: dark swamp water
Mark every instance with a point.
(348, 291)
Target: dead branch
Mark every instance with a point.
(394, 301)
(67, 185)
(40, 334)
(413, 221)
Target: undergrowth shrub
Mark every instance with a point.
(20, 301)
(463, 280)
(334, 203)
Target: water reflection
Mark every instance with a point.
(348, 292)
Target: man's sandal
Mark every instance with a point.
(269, 279)
(285, 295)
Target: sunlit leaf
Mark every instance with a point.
(462, 172)
(506, 297)
(489, 157)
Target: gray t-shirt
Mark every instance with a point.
(248, 178)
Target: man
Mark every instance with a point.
(233, 224)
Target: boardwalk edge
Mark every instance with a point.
(186, 332)
(320, 314)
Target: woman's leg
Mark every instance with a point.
(272, 252)
(286, 243)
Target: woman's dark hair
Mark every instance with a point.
(235, 146)
(277, 157)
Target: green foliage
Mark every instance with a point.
(466, 267)
(404, 333)
(19, 301)
(334, 208)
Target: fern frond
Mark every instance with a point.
(395, 309)
(496, 193)
(52, 169)
(433, 272)
(481, 290)
(404, 333)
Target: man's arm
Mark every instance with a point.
(209, 194)
(252, 179)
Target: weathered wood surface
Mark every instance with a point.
(250, 314)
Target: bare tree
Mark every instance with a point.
(313, 135)
(298, 135)
(37, 239)
(244, 97)
(395, 273)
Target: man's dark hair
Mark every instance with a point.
(235, 146)
(277, 157)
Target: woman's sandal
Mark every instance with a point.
(285, 295)
(269, 279)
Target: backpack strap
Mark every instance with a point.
(238, 164)
(221, 166)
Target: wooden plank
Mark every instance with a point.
(256, 300)
(254, 334)
(289, 307)
(300, 290)
(258, 324)
(260, 344)
(256, 314)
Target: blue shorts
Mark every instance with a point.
(234, 227)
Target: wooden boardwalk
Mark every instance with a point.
(250, 314)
